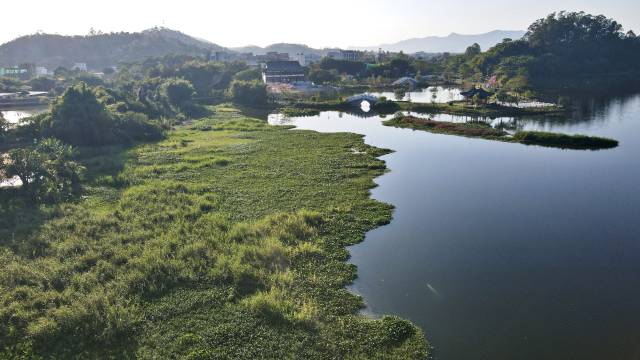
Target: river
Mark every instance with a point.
(506, 251)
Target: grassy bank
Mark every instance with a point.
(486, 131)
(224, 241)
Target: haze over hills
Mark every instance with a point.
(282, 48)
(101, 50)
(454, 43)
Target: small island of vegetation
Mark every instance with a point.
(477, 129)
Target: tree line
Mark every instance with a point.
(136, 103)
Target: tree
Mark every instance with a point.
(204, 76)
(518, 84)
(342, 66)
(4, 126)
(177, 92)
(42, 84)
(248, 92)
(473, 50)
(9, 85)
(88, 79)
(248, 75)
(78, 118)
(562, 49)
(61, 71)
(570, 31)
(322, 76)
(46, 169)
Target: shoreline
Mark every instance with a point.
(485, 131)
(210, 197)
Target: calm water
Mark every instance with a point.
(14, 116)
(437, 94)
(440, 94)
(505, 251)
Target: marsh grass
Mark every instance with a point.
(483, 130)
(226, 240)
(563, 141)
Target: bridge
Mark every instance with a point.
(356, 100)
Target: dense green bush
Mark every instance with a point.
(46, 169)
(177, 92)
(248, 75)
(252, 93)
(42, 84)
(322, 76)
(78, 118)
(342, 66)
(4, 126)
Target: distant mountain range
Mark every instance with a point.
(454, 43)
(102, 50)
(291, 49)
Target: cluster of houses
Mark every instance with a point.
(28, 71)
(304, 59)
(23, 71)
(277, 67)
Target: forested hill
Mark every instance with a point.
(563, 49)
(100, 50)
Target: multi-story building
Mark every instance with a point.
(283, 72)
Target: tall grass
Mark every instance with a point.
(227, 242)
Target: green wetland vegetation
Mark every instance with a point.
(139, 232)
(483, 130)
(225, 240)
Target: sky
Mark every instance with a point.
(318, 23)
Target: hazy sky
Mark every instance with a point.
(317, 23)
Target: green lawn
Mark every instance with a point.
(224, 241)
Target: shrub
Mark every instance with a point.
(248, 75)
(78, 118)
(177, 92)
(132, 126)
(396, 330)
(564, 141)
(248, 92)
(4, 126)
(46, 170)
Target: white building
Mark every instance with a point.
(79, 66)
(349, 55)
(41, 71)
(306, 59)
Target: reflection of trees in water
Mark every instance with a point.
(587, 112)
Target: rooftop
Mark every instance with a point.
(283, 66)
